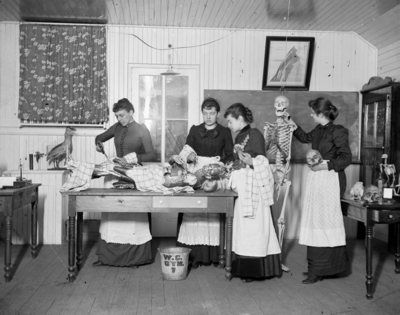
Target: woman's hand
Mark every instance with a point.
(245, 157)
(178, 159)
(289, 120)
(99, 147)
(319, 167)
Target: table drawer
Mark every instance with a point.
(387, 216)
(180, 202)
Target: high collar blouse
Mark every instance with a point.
(211, 142)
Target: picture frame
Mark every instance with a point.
(288, 63)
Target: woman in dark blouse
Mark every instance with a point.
(256, 250)
(123, 250)
(208, 139)
(322, 228)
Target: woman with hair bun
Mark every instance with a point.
(255, 246)
(322, 228)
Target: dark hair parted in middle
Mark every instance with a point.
(209, 103)
(123, 104)
(324, 106)
(238, 109)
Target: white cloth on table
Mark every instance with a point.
(123, 228)
(254, 235)
(321, 219)
(133, 228)
(200, 228)
(80, 177)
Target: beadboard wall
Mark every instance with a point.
(384, 32)
(233, 60)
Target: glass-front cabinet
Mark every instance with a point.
(380, 130)
(380, 134)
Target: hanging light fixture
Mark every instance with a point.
(170, 70)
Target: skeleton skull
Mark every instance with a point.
(281, 104)
(357, 191)
(371, 194)
(313, 157)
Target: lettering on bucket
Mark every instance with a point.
(173, 261)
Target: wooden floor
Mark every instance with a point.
(40, 286)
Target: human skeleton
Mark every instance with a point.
(389, 170)
(278, 140)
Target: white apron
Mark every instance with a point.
(321, 218)
(200, 228)
(253, 236)
(125, 228)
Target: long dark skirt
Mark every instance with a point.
(256, 267)
(202, 253)
(327, 261)
(124, 255)
(199, 253)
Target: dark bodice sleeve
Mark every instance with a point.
(302, 136)
(106, 135)
(132, 138)
(209, 143)
(256, 143)
(332, 141)
(341, 157)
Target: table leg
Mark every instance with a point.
(228, 268)
(221, 240)
(397, 254)
(369, 234)
(71, 249)
(79, 240)
(7, 257)
(34, 229)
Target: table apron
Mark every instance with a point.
(152, 204)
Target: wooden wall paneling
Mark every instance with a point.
(171, 11)
(338, 10)
(213, 65)
(326, 67)
(347, 60)
(258, 16)
(120, 14)
(204, 58)
(389, 61)
(337, 58)
(381, 30)
(323, 14)
(178, 12)
(127, 11)
(9, 81)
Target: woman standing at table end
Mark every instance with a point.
(200, 231)
(125, 238)
(322, 227)
(254, 242)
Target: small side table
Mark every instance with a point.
(371, 214)
(13, 199)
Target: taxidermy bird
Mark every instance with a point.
(62, 150)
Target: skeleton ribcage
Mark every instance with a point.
(277, 142)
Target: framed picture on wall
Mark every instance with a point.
(288, 63)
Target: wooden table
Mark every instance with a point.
(11, 200)
(371, 214)
(116, 200)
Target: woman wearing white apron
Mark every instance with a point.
(211, 142)
(322, 228)
(255, 246)
(125, 238)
